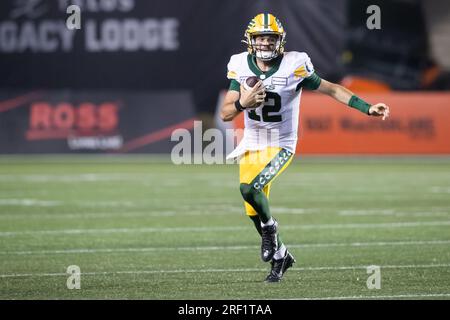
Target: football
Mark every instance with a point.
(250, 82)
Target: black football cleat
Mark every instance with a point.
(279, 267)
(269, 242)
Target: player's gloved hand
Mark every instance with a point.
(254, 96)
(378, 110)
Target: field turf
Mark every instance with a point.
(141, 228)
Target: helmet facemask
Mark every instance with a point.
(266, 52)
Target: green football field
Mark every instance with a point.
(139, 228)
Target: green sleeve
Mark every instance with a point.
(235, 85)
(311, 83)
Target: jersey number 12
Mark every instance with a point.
(272, 104)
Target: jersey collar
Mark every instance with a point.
(255, 69)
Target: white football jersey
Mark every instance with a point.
(276, 122)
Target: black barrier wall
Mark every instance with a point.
(152, 45)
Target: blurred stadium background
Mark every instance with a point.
(86, 118)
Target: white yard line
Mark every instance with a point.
(106, 215)
(370, 225)
(194, 210)
(418, 295)
(201, 211)
(29, 202)
(440, 189)
(71, 178)
(222, 248)
(394, 213)
(176, 271)
(229, 228)
(23, 202)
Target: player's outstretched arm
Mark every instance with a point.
(347, 97)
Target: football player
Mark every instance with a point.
(271, 111)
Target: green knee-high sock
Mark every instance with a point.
(257, 221)
(257, 200)
(280, 242)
